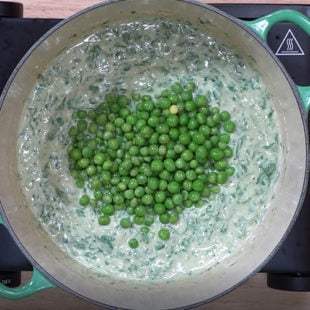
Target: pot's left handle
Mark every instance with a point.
(262, 25)
(38, 282)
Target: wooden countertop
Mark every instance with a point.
(65, 8)
(253, 294)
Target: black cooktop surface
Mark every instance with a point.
(289, 268)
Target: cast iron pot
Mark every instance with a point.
(53, 267)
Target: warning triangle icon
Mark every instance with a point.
(290, 46)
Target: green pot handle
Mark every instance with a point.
(262, 25)
(38, 282)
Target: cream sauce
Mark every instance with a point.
(147, 56)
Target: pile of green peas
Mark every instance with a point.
(152, 157)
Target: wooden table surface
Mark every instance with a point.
(253, 294)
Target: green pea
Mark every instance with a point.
(221, 164)
(205, 130)
(73, 131)
(108, 209)
(212, 177)
(173, 217)
(153, 183)
(179, 176)
(162, 128)
(149, 220)
(99, 158)
(81, 125)
(180, 163)
(184, 138)
(83, 163)
(165, 175)
(217, 154)
(139, 220)
(183, 119)
(107, 198)
(191, 86)
(146, 131)
(177, 199)
(75, 154)
(104, 220)
(132, 183)
(162, 185)
(164, 218)
(147, 199)
(187, 185)
(133, 243)
(229, 126)
(80, 183)
(84, 200)
(189, 105)
(164, 234)
(194, 196)
(228, 152)
(174, 134)
(173, 187)
(197, 185)
(179, 148)
(186, 95)
(144, 230)
(169, 164)
(113, 144)
(101, 119)
(157, 165)
(205, 192)
(191, 175)
(139, 191)
(164, 103)
(230, 170)
(222, 177)
(159, 208)
(160, 196)
(201, 153)
(153, 120)
(192, 124)
(172, 120)
(225, 116)
(141, 179)
(201, 101)
(91, 170)
(177, 88)
(118, 199)
(187, 155)
(198, 138)
(163, 139)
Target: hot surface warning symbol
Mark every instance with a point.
(289, 46)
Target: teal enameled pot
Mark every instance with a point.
(52, 266)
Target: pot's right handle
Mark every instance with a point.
(262, 25)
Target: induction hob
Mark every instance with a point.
(289, 268)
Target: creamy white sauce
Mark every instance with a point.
(147, 57)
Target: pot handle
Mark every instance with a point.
(38, 282)
(262, 25)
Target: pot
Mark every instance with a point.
(53, 267)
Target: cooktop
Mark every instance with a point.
(289, 268)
